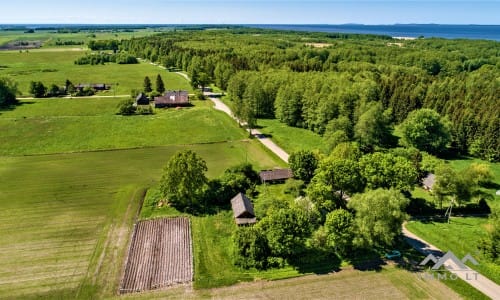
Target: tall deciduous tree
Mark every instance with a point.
(303, 164)
(160, 85)
(425, 130)
(340, 232)
(37, 89)
(183, 179)
(333, 179)
(385, 170)
(374, 127)
(379, 215)
(147, 85)
(8, 91)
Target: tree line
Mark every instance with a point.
(348, 77)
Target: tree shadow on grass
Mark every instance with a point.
(316, 261)
(11, 107)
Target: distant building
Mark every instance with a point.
(429, 181)
(275, 175)
(243, 210)
(172, 99)
(141, 99)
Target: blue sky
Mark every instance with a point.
(250, 12)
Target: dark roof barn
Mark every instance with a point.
(172, 98)
(275, 175)
(243, 210)
(142, 99)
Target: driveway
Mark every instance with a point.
(476, 280)
(267, 142)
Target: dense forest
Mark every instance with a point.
(341, 86)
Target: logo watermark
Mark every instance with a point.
(456, 268)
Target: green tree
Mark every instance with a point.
(251, 248)
(425, 130)
(374, 127)
(286, 230)
(160, 85)
(333, 179)
(385, 170)
(379, 215)
(37, 89)
(147, 85)
(126, 107)
(303, 164)
(490, 245)
(8, 91)
(340, 233)
(183, 179)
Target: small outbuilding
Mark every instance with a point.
(142, 99)
(243, 210)
(429, 181)
(172, 99)
(275, 175)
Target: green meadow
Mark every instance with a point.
(73, 176)
(54, 66)
(72, 125)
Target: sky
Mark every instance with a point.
(249, 12)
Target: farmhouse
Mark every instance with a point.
(276, 175)
(243, 210)
(172, 99)
(141, 99)
(429, 181)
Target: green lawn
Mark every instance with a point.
(71, 125)
(291, 138)
(461, 236)
(55, 66)
(60, 212)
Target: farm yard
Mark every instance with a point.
(160, 255)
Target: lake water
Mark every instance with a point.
(485, 32)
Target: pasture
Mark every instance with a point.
(53, 66)
(73, 125)
(66, 216)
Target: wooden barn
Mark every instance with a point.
(243, 210)
(276, 175)
(141, 99)
(172, 99)
(429, 181)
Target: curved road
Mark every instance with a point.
(219, 105)
(478, 281)
(481, 283)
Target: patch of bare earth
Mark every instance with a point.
(160, 255)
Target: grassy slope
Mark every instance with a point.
(291, 138)
(77, 125)
(461, 236)
(56, 211)
(57, 66)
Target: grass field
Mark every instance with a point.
(389, 283)
(461, 236)
(70, 125)
(50, 37)
(55, 66)
(66, 217)
(291, 138)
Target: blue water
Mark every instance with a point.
(484, 32)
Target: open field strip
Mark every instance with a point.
(55, 67)
(389, 283)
